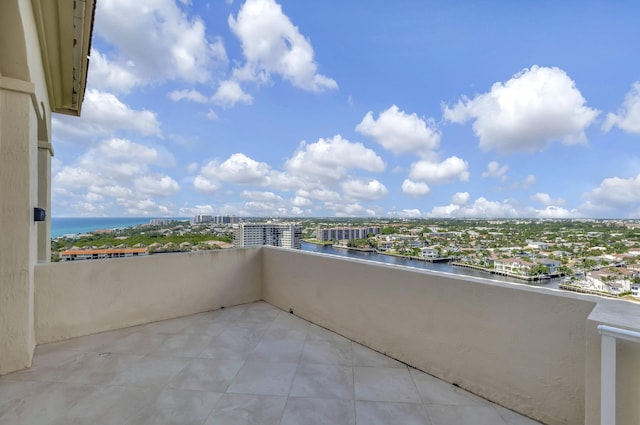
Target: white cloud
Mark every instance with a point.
(365, 190)
(406, 213)
(146, 207)
(261, 196)
(229, 93)
(551, 211)
(460, 198)
(241, 169)
(115, 173)
(451, 169)
(412, 188)
(197, 210)
(400, 132)
(331, 159)
(481, 208)
(534, 108)
(271, 44)
(156, 40)
(103, 114)
(350, 210)
(205, 185)
(628, 116)
(614, 193)
(106, 75)
(192, 95)
(324, 195)
(546, 200)
(157, 185)
(495, 170)
(301, 201)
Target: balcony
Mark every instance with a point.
(301, 340)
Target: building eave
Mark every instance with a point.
(64, 31)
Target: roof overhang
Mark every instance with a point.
(64, 31)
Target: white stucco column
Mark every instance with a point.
(18, 242)
(44, 201)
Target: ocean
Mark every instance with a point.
(74, 225)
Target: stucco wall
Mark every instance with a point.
(85, 297)
(521, 347)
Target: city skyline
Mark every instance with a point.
(264, 108)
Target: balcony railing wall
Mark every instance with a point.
(90, 296)
(522, 347)
(533, 350)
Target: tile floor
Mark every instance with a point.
(249, 364)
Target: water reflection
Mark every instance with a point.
(439, 267)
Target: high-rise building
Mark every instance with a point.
(342, 233)
(287, 235)
(216, 219)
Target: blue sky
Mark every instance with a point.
(332, 108)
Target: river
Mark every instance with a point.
(438, 267)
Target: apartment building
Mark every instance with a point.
(342, 233)
(98, 254)
(287, 235)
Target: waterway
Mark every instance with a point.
(438, 267)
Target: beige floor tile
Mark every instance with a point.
(207, 375)
(244, 409)
(323, 381)
(178, 407)
(385, 384)
(107, 406)
(135, 343)
(264, 378)
(441, 414)
(44, 404)
(278, 350)
(318, 411)
(327, 352)
(385, 413)
(150, 372)
(182, 345)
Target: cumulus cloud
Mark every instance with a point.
(261, 196)
(272, 44)
(111, 76)
(534, 108)
(241, 169)
(556, 212)
(192, 95)
(451, 169)
(116, 175)
(460, 198)
(331, 159)
(229, 93)
(103, 114)
(495, 170)
(157, 185)
(205, 185)
(412, 188)
(400, 132)
(406, 213)
(481, 208)
(156, 40)
(529, 181)
(546, 200)
(614, 193)
(324, 195)
(628, 116)
(350, 210)
(365, 190)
